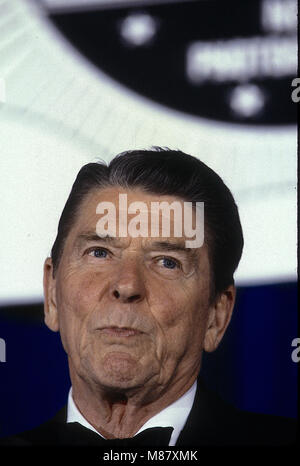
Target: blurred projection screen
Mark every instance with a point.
(83, 81)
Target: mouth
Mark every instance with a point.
(120, 331)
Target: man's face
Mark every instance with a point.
(132, 312)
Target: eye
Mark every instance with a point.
(169, 263)
(98, 253)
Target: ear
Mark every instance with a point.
(219, 317)
(50, 308)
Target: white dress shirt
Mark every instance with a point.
(174, 415)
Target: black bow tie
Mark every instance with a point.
(76, 434)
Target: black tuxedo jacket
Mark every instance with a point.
(211, 422)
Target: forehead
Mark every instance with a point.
(122, 199)
(84, 229)
(111, 194)
(137, 216)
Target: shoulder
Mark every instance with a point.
(48, 433)
(213, 421)
(264, 429)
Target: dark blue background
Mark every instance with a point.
(252, 368)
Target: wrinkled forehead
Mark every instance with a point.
(121, 213)
(123, 198)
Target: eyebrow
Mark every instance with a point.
(90, 237)
(168, 246)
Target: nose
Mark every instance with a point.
(128, 286)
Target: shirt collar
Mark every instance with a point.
(174, 415)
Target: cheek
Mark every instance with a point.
(76, 297)
(163, 303)
(180, 310)
(78, 292)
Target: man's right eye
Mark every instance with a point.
(98, 252)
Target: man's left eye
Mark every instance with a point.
(169, 263)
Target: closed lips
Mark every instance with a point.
(120, 331)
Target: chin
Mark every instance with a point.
(119, 371)
(120, 383)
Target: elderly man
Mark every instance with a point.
(135, 311)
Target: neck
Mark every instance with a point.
(120, 414)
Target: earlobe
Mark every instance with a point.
(50, 308)
(219, 318)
